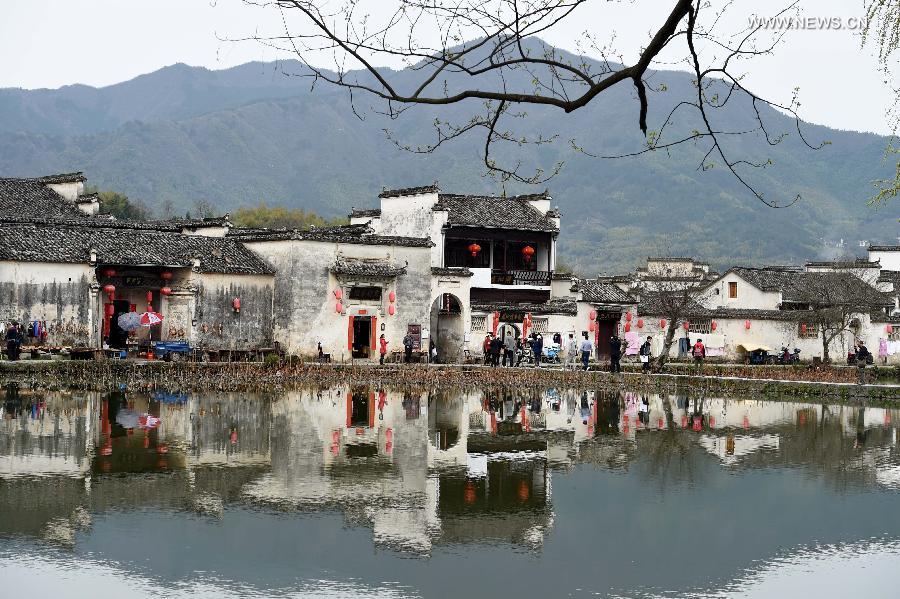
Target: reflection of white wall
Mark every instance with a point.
(56, 442)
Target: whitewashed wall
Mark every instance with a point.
(304, 302)
(59, 294)
(748, 296)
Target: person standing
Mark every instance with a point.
(615, 353)
(645, 353)
(13, 342)
(862, 358)
(509, 353)
(407, 348)
(486, 349)
(699, 353)
(382, 348)
(496, 348)
(571, 351)
(587, 348)
(537, 346)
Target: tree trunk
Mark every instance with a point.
(826, 359)
(667, 344)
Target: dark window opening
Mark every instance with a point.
(458, 252)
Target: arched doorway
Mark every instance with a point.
(447, 328)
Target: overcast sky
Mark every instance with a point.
(51, 43)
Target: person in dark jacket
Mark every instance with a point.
(496, 348)
(13, 342)
(862, 358)
(615, 353)
(644, 352)
(537, 347)
(407, 348)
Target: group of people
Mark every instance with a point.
(511, 350)
(408, 347)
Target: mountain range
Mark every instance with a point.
(260, 132)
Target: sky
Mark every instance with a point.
(52, 43)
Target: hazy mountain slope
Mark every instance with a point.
(242, 135)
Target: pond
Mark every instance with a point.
(370, 492)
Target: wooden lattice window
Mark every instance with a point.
(540, 325)
(479, 323)
(701, 327)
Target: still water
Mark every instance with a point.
(368, 492)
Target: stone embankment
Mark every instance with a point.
(255, 376)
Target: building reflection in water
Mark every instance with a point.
(419, 469)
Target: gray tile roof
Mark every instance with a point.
(884, 248)
(31, 198)
(358, 234)
(555, 306)
(361, 213)
(890, 276)
(451, 271)
(77, 177)
(367, 268)
(769, 278)
(596, 291)
(513, 212)
(72, 243)
(409, 191)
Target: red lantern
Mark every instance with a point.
(392, 297)
(166, 291)
(593, 315)
(527, 253)
(109, 288)
(236, 304)
(109, 272)
(110, 309)
(803, 328)
(627, 327)
(592, 327)
(889, 329)
(662, 323)
(469, 495)
(149, 296)
(640, 323)
(391, 309)
(628, 317)
(747, 324)
(165, 276)
(686, 325)
(713, 325)
(338, 307)
(338, 294)
(474, 248)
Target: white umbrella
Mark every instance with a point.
(129, 321)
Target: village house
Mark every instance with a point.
(493, 262)
(67, 275)
(748, 309)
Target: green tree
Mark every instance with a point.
(264, 216)
(120, 206)
(883, 30)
